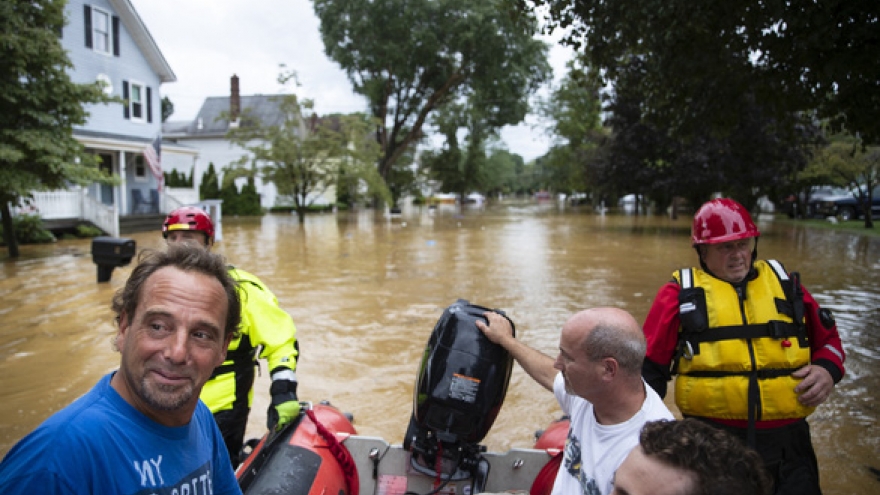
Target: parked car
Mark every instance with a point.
(847, 207)
(810, 201)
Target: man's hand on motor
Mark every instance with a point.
(498, 328)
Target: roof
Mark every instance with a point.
(125, 142)
(143, 39)
(208, 122)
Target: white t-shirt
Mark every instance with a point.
(593, 451)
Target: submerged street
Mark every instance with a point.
(365, 292)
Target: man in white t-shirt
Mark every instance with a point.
(597, 380)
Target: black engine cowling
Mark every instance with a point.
(461, 385)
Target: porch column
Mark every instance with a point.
(122, 197)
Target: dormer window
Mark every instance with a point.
(102, 30)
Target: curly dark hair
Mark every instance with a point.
(189, 258)
(722, 463)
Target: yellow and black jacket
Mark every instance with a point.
(265, 326)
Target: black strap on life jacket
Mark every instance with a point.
(694, 316)
(760, 374)
(793, 304)
(244, 361)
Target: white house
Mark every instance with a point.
(207, 134)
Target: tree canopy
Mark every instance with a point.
(790, 57)
(574, 111)
(756, 156)
(410, 57)
(39, 107)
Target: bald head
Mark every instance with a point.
(609, 332)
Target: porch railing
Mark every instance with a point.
(76, 203)
(72, 203)
(105, 217)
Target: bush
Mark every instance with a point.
(87, 230)
(309, 209)
(29, 230)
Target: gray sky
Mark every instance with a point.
(207, 41)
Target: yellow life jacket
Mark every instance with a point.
(736, 354)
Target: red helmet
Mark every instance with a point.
(722, 220)
(189, 218)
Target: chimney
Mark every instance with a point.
(234, 100)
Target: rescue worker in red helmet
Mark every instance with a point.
(264, 327)
(753, 352)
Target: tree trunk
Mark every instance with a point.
(9, 230)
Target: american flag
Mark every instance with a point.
(153, 155)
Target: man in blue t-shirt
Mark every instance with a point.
(142, 428)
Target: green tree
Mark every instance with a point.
(167, 108)
(850, 163)
(178, 179)
(754, 157)
(250, 199)
(304, 155)
(503, 169)
(574, 109)
(791, 57)
(240, 202)
(209, 187)
(457, 166)
(410, 57)
(39, 107)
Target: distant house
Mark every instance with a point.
(107, 41)
(207, 134)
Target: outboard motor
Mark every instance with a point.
(462, 382)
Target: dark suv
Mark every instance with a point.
(847, 207)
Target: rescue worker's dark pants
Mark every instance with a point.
(233, 423)
(788, 456)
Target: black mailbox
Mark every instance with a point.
(110, 252)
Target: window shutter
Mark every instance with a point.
(149, 104)
(116, 35)
(87, 13)
(125, 104)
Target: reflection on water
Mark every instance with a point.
(365, 292)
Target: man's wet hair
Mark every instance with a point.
(187, 257)
(721, 463)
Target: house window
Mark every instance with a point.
(136, 101)
(140, 168)
(101, 34)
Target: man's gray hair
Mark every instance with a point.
(624, 345)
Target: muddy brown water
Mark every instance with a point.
(365, 292)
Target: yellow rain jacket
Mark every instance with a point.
(264, 325)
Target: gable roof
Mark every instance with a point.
(143, 39)
(266, 108)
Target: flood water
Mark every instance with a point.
(365, 292)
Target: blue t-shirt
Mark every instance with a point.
(100, 444)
